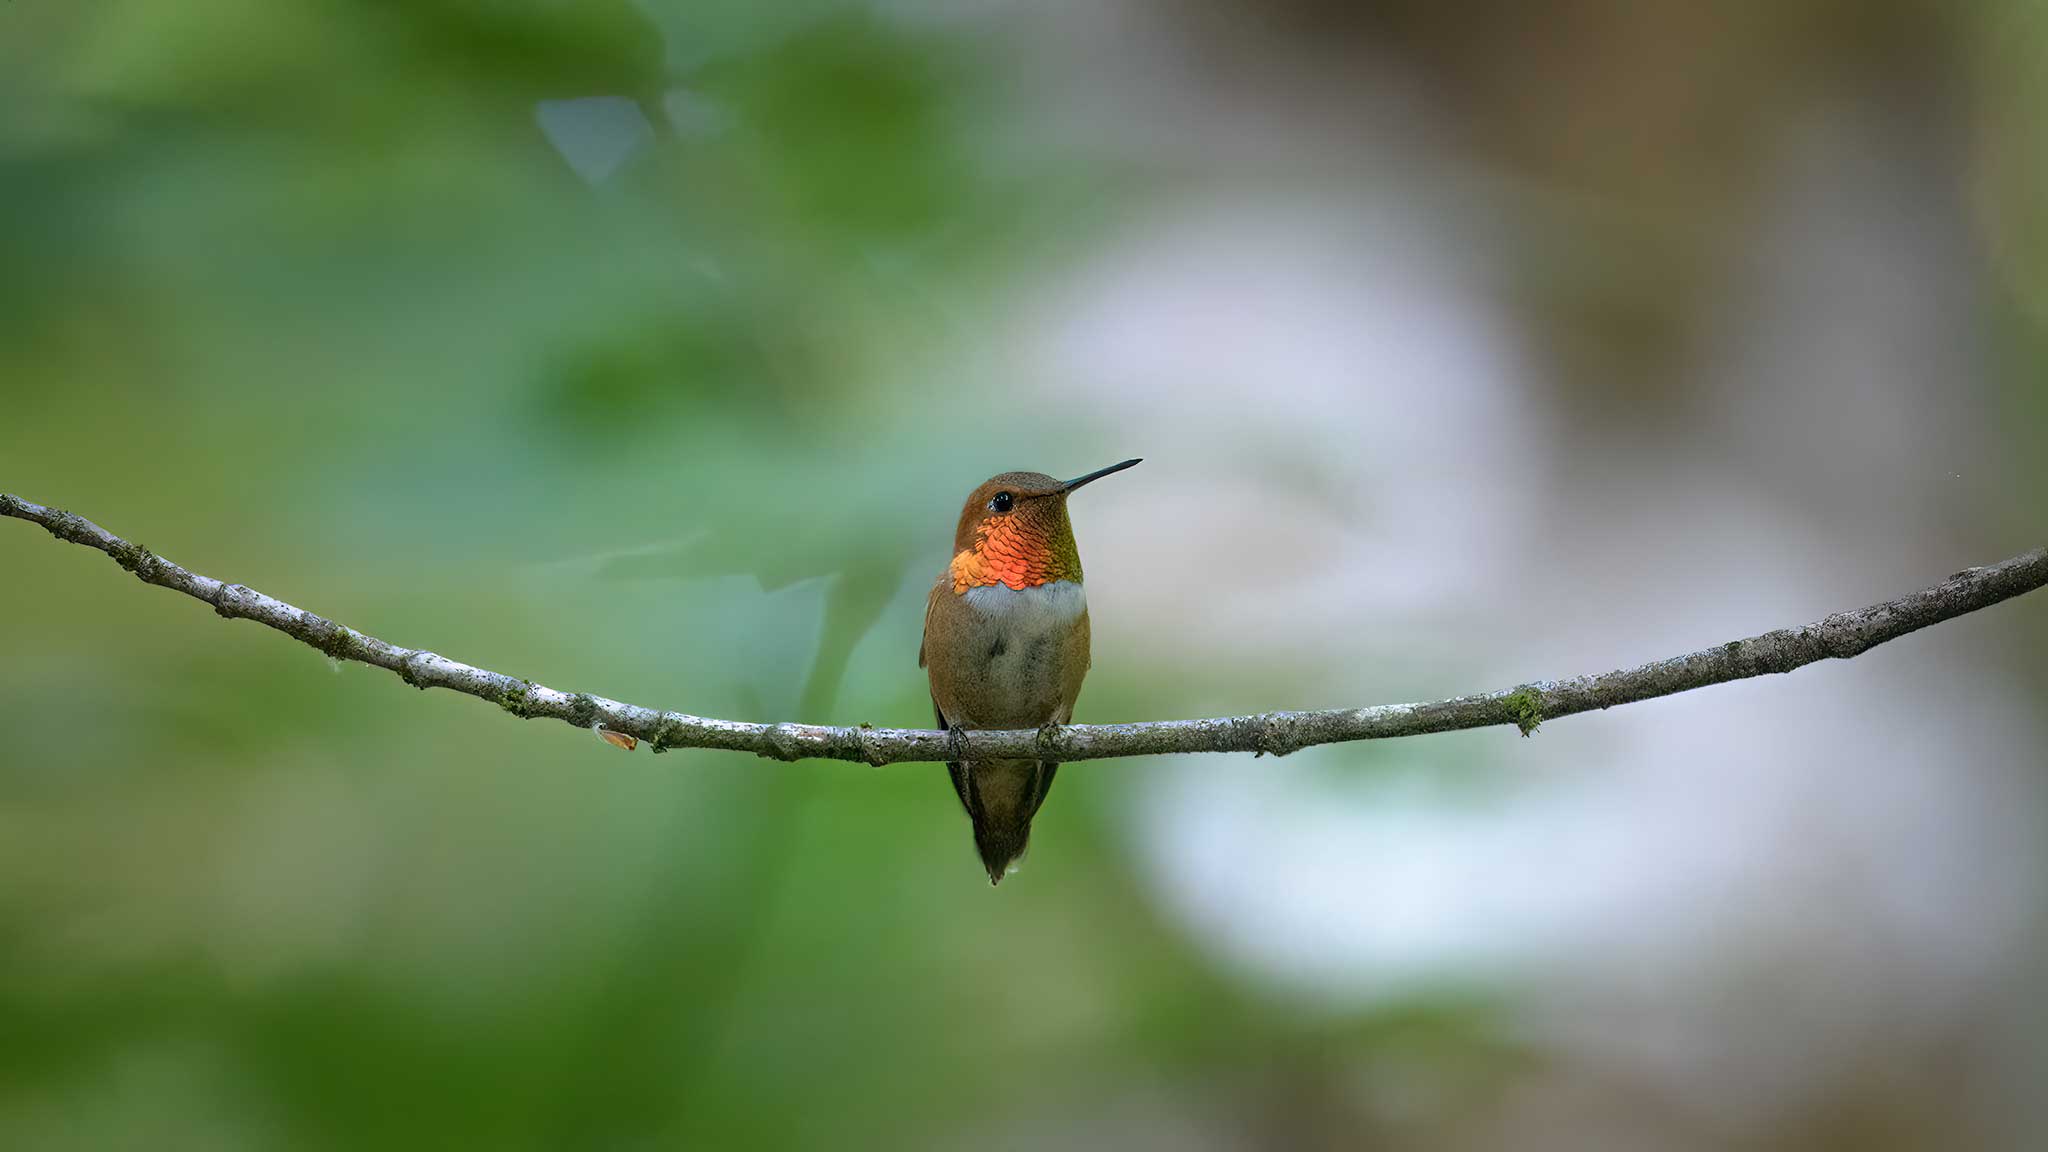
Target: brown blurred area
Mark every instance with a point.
(1647, 129)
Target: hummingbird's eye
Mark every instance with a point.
(1002, 502)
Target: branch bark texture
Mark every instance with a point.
(1839, 636)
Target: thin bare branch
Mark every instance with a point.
(1840, 636)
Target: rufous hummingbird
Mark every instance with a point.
(1006, 645)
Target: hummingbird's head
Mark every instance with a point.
(1014, 531)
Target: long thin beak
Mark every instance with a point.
(1098, 474)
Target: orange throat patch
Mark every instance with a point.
(1016, 554)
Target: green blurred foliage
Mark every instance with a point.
(300, 294)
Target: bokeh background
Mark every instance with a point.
(648, 348)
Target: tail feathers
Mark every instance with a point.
(1001, 797)
(1000, 845)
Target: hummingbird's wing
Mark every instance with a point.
(1046, 770)
(930, 602)
(961, 786)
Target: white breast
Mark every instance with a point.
(1029, 611)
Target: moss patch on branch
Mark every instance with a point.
(1525, 708)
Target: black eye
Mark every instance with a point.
(1002, 502)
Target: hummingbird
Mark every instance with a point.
(1006, 645)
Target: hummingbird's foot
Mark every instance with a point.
(958, 744)
(1048, 738)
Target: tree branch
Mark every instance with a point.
(1841, 636)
